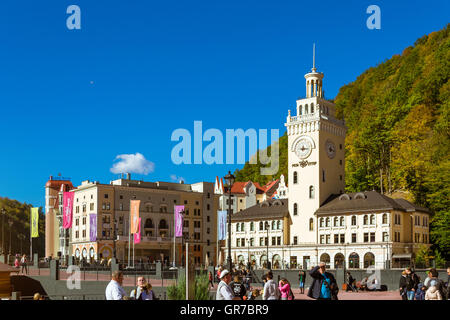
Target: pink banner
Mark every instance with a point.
(179, 210)
(137, 236)
(67, 209)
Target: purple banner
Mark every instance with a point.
(179, 221)
(93, 227)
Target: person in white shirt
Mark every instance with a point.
(224, 292)
(114, 290)
(142, 291)
(271, 291)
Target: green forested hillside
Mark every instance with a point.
(19, 214)
(398, 139)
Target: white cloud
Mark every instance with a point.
(132, 163)
(175, 178)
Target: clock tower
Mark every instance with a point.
(315, 158)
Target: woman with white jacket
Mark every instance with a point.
(433, 294)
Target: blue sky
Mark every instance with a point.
(72, 100)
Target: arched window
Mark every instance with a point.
(385, 218)
(372, 219)
(321, 222)
(295, 180)
(242, 226)
(366, 220)
(238, 227)
(327, 222)
(325, 257)
(353, 220)
(261, 226)
(311, 224)
(341, 222)
(312, 107)
(369, 259)
(353, 260)
(295, 209)
(273, 225)
(335, 221)
(311, 192)
(162, 224)
(148, 223)
(306, 108)
(339, 261)
(278, 225)
(252, 226)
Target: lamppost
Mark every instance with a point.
(115, 239)
(229, 179)
(3, 230)
(10, 222)
(266, 225)
(21, 237)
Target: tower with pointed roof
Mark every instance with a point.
(315, 156)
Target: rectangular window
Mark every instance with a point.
(353, 237)
(77, 234)
(273, 241)
(385, 237)
(372, 237)
(91, 206)
(366, 237)
(84, 207)
(322, 238)
(207, 219)
(327, 238)
(336, 238)
(261, 241)
(342, 238)
(84, 233)
(278, 241)
(295, 240)
(266, 241)
(238, 242)
(106, 196)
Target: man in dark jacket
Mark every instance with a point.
(324, 284)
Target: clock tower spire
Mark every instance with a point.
(315, 157)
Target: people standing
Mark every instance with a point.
(405, 285)
(301, 280)
(350, 282)
(23, 263)
(324, 284)
(210, 279)
(237, 287)
(224, 291)
(285, 289)
(142, 291)
(114, 290)
(271, 291)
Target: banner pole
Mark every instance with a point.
(174, 239)
(31, 238)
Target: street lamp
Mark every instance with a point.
(115, 238)
(10, 222)
(21, 237)
(229, 179)
(266, 225)
(3, 230)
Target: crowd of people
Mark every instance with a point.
(431, 288)
(115, 291)
(235, 285)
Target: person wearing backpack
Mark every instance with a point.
(324, 284)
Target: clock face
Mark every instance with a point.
(303, 148)
(331, 149)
